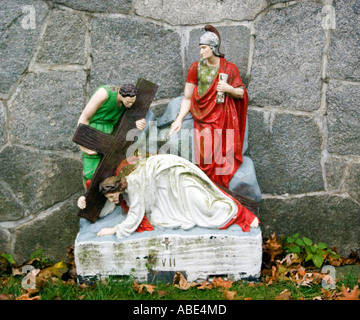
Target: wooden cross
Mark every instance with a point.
(112, 146)
(248, 203)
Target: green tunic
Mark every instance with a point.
(206, 76)
(104, 120)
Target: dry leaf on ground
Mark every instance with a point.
(181, 283)
(273, 247)
(26, 296)
(205, 285)
(350, 294)
(140, 287)
(4, 296)
(221, 283)
(285, 295)
(229, 295)
(163, 293)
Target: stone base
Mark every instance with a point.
(199, 253)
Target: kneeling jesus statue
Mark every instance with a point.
(172, 193)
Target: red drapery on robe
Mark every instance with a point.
(244, 217)
(219, 128)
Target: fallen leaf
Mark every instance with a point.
(284, 295)
(84, 285)
(17, 272)
(32, 291)
(229, 295)
(274, 276)
(4, 296)
(26, 296)
(205, 285)
(335, 262)
(352, 295)
(181, 283)
(289, 259)
(57, 270)
(273, 247)
(150, 288)
(301, 271)
(221, 283)
(140, 287)
(163, 293)
(306, 280)
(247, 298)
(328, 295)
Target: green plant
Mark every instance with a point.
(304, 247)
(9, 258)
(150, 260)
(38, 258)
(6, 261)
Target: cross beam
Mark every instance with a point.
(113, 146)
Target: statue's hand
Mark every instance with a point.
(224, 87)
(175, 126)
(88, 151)
(140, 124)
(81, 203)
(106, 232)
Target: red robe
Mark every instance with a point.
(219, 158)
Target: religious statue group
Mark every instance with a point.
(166, 190)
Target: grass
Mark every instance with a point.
(279, 281)
(115, 289)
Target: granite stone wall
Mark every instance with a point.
(300, 62)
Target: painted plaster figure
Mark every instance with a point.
(172, 193)
(223, 124)
(102, 113)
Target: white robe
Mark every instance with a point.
(174, 193)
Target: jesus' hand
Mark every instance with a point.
(106, 232)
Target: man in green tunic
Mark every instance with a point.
(102, 112)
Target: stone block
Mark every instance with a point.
(184, 12)
(286, 69)
(235, 44)
(286, 150)
(343, 62)
(64, 39)
(37, 180)
(4, 241)
(334, 220)
(110, 6)
(10, 209)
(199, 253)
(352, 183)
(53, 231)
(335, 172)
(149, 51)
(2, 124)
(18, 37)
(45, 109)
(343, 118)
